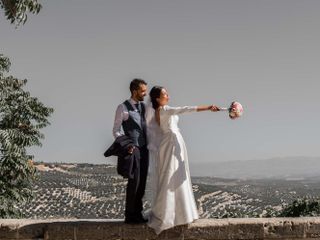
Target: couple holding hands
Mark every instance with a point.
(153, 129)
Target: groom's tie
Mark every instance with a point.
(138, 107)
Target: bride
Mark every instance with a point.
(173, 201)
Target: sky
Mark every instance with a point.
(80, 56)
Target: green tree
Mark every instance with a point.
(21, 118)
(16, 10)
(302, 207)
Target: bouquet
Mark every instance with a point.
(235, 110)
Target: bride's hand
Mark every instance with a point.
(214, 108)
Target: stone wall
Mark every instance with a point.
(251, 228)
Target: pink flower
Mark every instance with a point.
(235, 110)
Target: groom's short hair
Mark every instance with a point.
(135, 84)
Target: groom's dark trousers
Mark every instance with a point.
(136, 187)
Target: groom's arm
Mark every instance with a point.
(121, 115)
(117, 126)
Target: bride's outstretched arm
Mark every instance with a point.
(178, 110)
(212, 108)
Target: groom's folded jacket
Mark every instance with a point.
(127, 163)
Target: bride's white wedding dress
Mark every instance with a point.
(173, 202)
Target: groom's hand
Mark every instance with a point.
(130, 149)
(214, 108)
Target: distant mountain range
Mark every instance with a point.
(279, 168)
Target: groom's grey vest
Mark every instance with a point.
(135, 126)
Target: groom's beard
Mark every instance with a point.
(141, 98)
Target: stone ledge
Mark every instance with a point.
(203, 229)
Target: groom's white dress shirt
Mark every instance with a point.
(122, 114)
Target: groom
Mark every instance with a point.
(130, 121)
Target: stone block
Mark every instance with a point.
(32, 231)
(9, 230)
(204, 229)
(61, 231)
(285, 228)
(151, 235)
(133, 231)
(89, 230)
(176, 232)
(313, 228)
(252, 230)
(112, 231)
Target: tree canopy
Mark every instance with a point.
(16, 10)
(21, 119)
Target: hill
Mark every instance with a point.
(96, 191)
(277, 168)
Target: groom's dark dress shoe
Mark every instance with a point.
(141, 218)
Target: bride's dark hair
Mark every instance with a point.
(154, 94)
